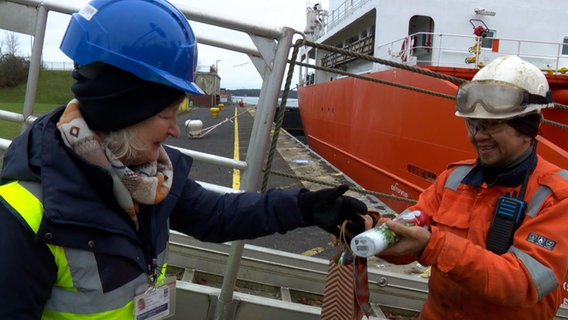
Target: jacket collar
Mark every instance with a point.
(511, 176)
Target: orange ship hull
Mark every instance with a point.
(395, 141)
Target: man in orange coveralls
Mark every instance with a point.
(483, 264)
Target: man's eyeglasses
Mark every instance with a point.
(488, 126)
(495, 97)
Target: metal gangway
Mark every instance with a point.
(286, 274)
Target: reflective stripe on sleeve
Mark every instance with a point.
(74, 269)
(24, 202)
(542, 276)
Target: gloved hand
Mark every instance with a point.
(328, 208)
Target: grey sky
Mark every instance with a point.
(235, 69)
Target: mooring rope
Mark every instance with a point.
(293, 62)
(279, 120)
(274, 142)
(203, 132)
(398, 65)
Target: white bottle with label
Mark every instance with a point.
(375, 240)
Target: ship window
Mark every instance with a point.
(565, 46)
(351, 40)
(487, 42)
(422, 173)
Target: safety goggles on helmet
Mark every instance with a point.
(496, 97)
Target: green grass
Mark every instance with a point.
(53, 90)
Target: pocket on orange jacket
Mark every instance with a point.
(454, 213)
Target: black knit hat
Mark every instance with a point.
(111, 98)
(528, 124)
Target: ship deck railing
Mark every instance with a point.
(441, 50)
(452, 50)
(343, 12)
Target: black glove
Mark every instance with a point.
(328, 208)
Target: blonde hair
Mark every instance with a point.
(123, 144)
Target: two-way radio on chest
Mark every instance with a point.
(508, 215)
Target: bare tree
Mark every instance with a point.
(13, 69)
(11, 43)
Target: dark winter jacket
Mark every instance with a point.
(81, 212)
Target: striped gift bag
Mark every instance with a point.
(346, 292)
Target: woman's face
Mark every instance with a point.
(152, 132)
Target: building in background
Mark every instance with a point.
(210, 82)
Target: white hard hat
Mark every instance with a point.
(507, 87)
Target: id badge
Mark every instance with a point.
(156, 302)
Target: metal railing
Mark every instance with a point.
(269, 55)
(453, 50)
(344, 11)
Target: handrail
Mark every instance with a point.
(459, 44)
(269, 57)
(344, 11)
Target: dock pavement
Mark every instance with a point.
(292, 159)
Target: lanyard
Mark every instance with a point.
(147, 234)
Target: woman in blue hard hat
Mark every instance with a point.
(90, 192)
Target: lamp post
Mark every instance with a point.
(217, 66)
(217, 81)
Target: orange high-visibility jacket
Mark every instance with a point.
(470, 282)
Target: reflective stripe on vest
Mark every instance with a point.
(542, 193)
(74, 270)
(459, 173)
(542, 276)
(457, 176)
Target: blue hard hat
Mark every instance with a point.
(149, 38)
